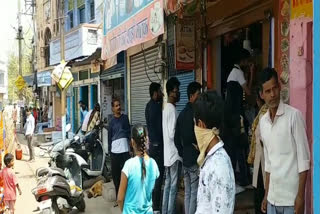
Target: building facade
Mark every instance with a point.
(3, 84)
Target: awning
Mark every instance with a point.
(87, 60)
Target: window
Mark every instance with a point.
(83, 75)
(1, 79)
(70, 5)
(92, 10)
(47, 39)
(80, 3)
(47, 9)
(92, 37)
(82, 15)
(70, 15)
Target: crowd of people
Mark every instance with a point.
(209, 142)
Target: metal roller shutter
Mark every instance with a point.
(113, 73)
(185, 79)
(140, 65)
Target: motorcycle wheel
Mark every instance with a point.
(81, 205)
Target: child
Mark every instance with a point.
(138, 177)
(10, 183)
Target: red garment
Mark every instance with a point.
(10, 183)
(35, 115)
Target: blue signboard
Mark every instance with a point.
(117, 12)
(44, 78)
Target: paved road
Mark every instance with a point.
(26, 203)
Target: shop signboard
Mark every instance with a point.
(302, 8)
(127, 23)
(185, 44)
(44, 78)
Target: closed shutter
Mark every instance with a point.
(185, 79)
(141, 72)
(116, 71)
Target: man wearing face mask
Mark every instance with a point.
(216, 191)
(172, 160)
(118, 142)
(153, 115)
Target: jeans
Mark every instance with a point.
(170, 188)
(279, 210)
(30, 147)
(191, 181)
(117, 163)
(156, 152)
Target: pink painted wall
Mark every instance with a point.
(301, 79)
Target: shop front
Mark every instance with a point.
(44, 82)
(112, 81)
(85, 88)
(138, 30)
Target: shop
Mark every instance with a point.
(85, 88)
(112, 81)
(145, 68)
(247, 26)
(44, 83)
(181, 66)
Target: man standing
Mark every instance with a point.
(186, 142)
(286, 150)
(216, 192)
(153, 115)
(29, 130)
(234, 114)
(172, 160)
(83, 111)
(118, 142)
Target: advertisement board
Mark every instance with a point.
(128, 23)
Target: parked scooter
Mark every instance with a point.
(59, 189)
(87, 152)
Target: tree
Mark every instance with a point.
(13, 71)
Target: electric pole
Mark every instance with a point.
(20, 37)
(63, 91)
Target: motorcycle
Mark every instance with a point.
(58, 189)
(87, 151)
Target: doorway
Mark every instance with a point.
(84, 95)
(94, 96)
(75, 110)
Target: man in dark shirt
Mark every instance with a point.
(185, 141)
(153, 115)
(118, 142)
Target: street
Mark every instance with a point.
(25, 173)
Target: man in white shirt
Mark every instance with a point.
(29, 130)
(216, 191)
(286, 149)
(172, 160)
(236, 84)
(237, 73)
